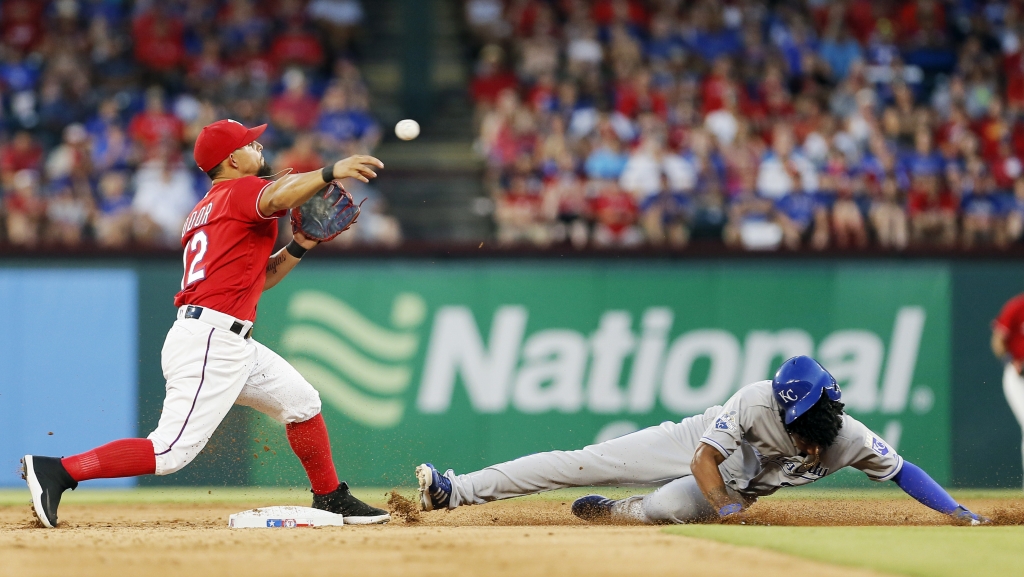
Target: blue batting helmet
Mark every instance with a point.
(799, 384)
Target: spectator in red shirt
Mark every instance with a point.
(159, 40)
(297, 47)
(302, 156)
(295, 109)
(22, 153)
(1013, 69)
(992, 129)
(920, 16)
(607, 12)
(154, 125)
(861, 17)
(932, 213)
(491, 77)
(638, 96)
(519, 213)
(21, 24)
(616, 214)
(718, 87)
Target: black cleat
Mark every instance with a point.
(47, 480)
(593, 508)
(355, 512)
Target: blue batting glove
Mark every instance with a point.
(730, 509)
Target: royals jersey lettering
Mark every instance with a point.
(227, 243)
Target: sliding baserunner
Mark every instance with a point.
(771, 434)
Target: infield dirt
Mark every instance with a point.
(517, 537)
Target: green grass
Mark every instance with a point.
(917, 551)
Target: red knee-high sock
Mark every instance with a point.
(122, 458)
(312, 446)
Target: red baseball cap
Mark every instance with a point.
(218, 140)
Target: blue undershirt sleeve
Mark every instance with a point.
(916, 483)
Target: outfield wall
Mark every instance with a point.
(468, 362)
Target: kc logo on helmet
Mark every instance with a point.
(788, 395)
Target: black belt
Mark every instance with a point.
(194, 312)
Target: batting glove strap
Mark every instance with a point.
(730, 509)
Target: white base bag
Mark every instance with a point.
(284, 517)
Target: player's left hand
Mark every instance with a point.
(964, 516)
(306, 243)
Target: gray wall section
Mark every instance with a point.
(986, 450)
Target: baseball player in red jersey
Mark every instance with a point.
(1008, 346)
(209, 358)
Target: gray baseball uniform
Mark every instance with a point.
(747, 430)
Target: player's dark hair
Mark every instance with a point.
(820, 424)
(214, 172)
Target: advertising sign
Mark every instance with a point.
(465, 365)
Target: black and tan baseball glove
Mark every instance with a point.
(329, 213)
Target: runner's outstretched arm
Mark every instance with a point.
(918, 484)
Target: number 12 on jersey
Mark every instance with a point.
(196, 249)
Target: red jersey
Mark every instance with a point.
(227, 242)
(1011, 320)
(919, 201)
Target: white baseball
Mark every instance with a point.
(407, 129)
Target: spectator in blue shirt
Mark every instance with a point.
(664, 215)
(710, 38)
(980, 209)
(662, 45)
(840, 51)
(17, 74)
(341, 124)
(113, 220)
(803, 219)
(924, 160)
(607, 160)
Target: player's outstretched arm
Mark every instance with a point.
(292, 190)
(918, 484)
(704, 467)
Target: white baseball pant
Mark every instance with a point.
(208, 369)
(1013, 388)
(656, 456)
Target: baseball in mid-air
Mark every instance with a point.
(407, 129)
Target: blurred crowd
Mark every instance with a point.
(806, 124)
(101, 101)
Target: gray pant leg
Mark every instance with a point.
(650, 457)
(680, 501)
